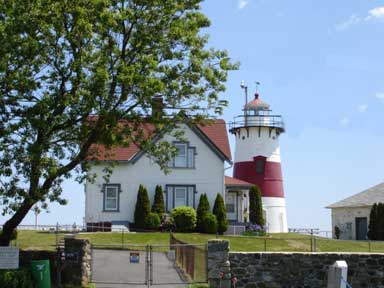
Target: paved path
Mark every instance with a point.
(112, 266)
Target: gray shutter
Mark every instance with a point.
(191, 195)
(191, 157)
(169, 198)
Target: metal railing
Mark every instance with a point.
(273, 121)
(311, 231)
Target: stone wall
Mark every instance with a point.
(295, 270)
(77, 265)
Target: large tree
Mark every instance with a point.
(63, 61)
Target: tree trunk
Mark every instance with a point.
(11, 224)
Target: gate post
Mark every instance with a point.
(337, 275)
(78, 261)
(219, 274)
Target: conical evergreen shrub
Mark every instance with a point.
(158, 202)
(142, 208)
(255, 206)
(259, 208)
(380, 225)
(373, 223)
(202, 209)
(221, 214)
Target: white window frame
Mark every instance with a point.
(184, 190)
(181, 160)
(185, 160)
(190, 191)
(116, 198)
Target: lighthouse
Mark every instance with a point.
(257, 157)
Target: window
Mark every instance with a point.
(181, 157)
(185, 157)
(230, 207)
(111, 197)
(180, 195)
(259, 166)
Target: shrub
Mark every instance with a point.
(202, 209)
(255, 230)
(221, 214)
(184, 218)
(255, 206)
(21, 278)
(158, 201)
(142, 208)
(152, 221)
(209, 223)
(337, 232)
(167, 224)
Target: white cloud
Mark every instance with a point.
(375, 13)
(353, 19)
(380, 96)
(362, 108)
(242, 4)
(344, 121)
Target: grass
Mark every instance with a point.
(36, 240)
(289, 242)
(41, 240)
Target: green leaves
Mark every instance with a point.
(65, 61)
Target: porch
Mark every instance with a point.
(237, 204)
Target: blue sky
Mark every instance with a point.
(321, 66)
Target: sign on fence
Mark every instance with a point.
(9, 258)
(72, 256)
(134, 257)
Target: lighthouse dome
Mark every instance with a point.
(257, 104)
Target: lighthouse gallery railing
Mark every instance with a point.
(273, 121)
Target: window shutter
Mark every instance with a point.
(169, 198)
(191, 196)
(191, 157)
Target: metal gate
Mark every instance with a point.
(146, 265)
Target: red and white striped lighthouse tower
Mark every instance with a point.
(257, 158)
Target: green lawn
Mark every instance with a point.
(286, 242)
(39, 240)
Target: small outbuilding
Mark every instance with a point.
(351, 215)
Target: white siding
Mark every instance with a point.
(208, 176)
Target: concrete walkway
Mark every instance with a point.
(112, 269)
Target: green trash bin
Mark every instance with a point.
(41, 273)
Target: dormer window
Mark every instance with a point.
(185, 157)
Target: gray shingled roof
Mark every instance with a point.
(366, 198)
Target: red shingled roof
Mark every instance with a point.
(216, 133)
(230, 181)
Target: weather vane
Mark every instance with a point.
(257, 86)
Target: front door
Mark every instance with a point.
(231, 205)
(361, 228)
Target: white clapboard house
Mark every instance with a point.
(198, 168)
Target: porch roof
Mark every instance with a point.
(231, 182)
